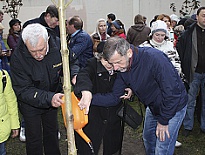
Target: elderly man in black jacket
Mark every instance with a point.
(35, 72)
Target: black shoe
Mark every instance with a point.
(186, 133)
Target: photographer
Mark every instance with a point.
(4, 53)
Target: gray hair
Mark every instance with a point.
(33, 32)
(115, 44)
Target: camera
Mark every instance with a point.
(6, 50)
(126, 93)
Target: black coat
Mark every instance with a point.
(35, 82)
(103, 121)
(95, 78)
(55, 33)
(184, 48)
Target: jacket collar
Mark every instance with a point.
(100, 67)
(75, 33)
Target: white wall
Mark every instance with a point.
(91, 10)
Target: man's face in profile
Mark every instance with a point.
(119, 62)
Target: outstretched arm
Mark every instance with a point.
(85, 101)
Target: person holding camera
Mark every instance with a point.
(4, 52)
(14, 33)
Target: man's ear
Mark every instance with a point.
(129, 53)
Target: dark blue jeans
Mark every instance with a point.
(153, 145)
(197, 83)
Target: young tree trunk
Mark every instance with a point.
(66, 78)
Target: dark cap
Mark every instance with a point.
(100, 47)
(52, 10)
(13, 22)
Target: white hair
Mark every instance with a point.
(33, 32)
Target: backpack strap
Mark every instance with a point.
(3, 80)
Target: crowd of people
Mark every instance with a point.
(161, 64)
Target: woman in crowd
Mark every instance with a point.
(118, 29)
(4, 52)
(159, 40)
(14, 33)
(174, 20)
(99, 34)
(168, 21)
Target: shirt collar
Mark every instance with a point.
(75, 33)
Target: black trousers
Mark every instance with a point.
(104, 126)
(41, 130)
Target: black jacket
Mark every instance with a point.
(35, 82)
(185, 50)
(94, 78)
(55, 32)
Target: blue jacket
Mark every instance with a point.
(81, 47)
(154, 80)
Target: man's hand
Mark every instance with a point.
(57, 100)
(161, 131)
(8, 53)
(3, 53)
(128, 94)
(85, 101)
(15, 133)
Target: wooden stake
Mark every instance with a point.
(66, 76)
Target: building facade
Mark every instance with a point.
(91, 10)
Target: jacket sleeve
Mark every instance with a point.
(84, 79)
(11, 42)
(171, 89)
(180, 46)
(112, 98)
(25, 89)
(11, 101)
(74, 66)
